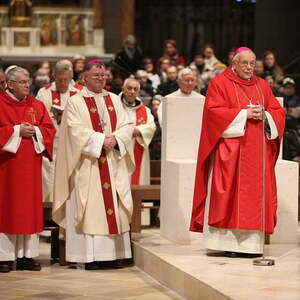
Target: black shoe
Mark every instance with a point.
(126, 262)
(110, 264)
(241, 255)
(28, 264)
(91, 266)
(5, 267)
(231, 254)
(250, 255)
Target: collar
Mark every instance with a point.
(137, 101)
(14, 97)
(93, 94)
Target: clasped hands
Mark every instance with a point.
(109, 142)
(27, 130)
(57, 116)
(255, 112)
(136, 133)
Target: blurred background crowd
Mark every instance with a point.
(158, 78)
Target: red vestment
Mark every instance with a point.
(21, 209)
(236, 192)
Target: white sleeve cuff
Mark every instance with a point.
(94, 145)
(39, 145)
(14, 141)
(237, 126)
(274, 131)
(122, 148)
(159, 114)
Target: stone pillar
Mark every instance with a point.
(127, 10)
(179, 159)
(98, 9)
(98, 25)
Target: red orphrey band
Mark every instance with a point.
(56, 97)
(102, 162)
(141, 118)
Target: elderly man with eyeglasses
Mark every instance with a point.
(235, 190)
(26, 136)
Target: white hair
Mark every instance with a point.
(186, 71)
(128, 80)
(129, 38)
(61, 67)
(141, 73)
(237, 56)
(12, 73)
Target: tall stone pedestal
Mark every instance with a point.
(182, 118)
(287, 193)
(181, 132)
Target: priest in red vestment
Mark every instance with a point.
(235, 179)
(26, 135)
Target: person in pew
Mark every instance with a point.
(143, 132)
(55, 96)
(155, 145)
(92, 196)
(187, 82)
(2, 80)
(241, 117)
(26, 135)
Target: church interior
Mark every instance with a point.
(169, 261)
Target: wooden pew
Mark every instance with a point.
(49, 224)
(155, 169)
(141, 193)
(57, 245)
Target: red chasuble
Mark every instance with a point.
(21, 209)
(236, 192)
(141, 118)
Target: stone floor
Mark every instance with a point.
(60, 283)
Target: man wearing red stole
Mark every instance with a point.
(26, 135)
(143, 132)
(55, 96)
(241, 131)
(92, 197)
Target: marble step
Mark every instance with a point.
(187, 270)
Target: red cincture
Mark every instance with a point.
(102, 162)
(141, 118)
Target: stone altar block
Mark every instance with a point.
(180, 140)
(182, 118)
(287, 193)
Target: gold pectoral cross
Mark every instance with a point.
(31, 113)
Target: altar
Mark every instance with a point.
(35, 33)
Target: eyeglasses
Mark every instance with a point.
(245, 64)
(95, 76)
(22, 82)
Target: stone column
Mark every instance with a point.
(127, 10)
(98, 9)
(98, 31)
